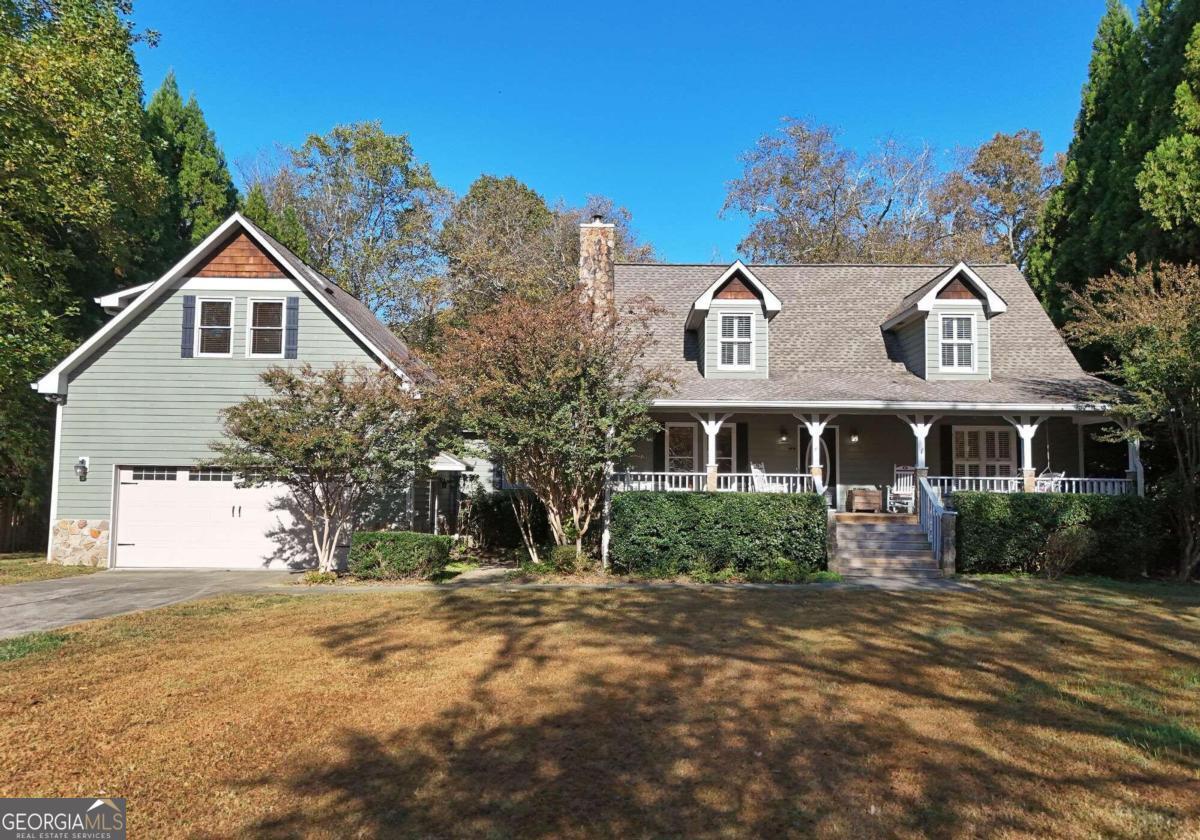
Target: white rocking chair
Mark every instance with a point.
(902, 492)
(1050, 482)
(759, 477)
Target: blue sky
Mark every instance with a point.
(650, 103)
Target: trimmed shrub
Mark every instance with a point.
(754, 536)
(397, 555)
(494, 525)
(1119, 536)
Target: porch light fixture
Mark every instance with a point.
(783, 434)
(854, 435)
(81, 468)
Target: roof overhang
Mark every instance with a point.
(770, 302)
(993, 304)
(116, 301)
(55, 382)
(445, 462)
(886, 406)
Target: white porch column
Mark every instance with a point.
(1027, 427)
(711, 427)
(815, 424)
(921, 426)
(1133, 449)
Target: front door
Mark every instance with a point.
(829, 460)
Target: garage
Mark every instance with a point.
(180, 517)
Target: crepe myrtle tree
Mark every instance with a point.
(557, 393)
(332, 437)
(1147, 321)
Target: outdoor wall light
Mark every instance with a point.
(854, 436)
(783, 434)
(81, 468)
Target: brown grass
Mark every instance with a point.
(24, 567)
(1023, 710)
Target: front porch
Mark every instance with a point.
(879, 457)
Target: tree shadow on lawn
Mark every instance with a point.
(702, 713)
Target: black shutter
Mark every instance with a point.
(187, 337)
(291, 331)
(743, 448)
(660, 450)
(946, 444)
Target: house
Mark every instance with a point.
(857, 381)
(138, 405)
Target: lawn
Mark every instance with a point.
(1023, 710)
(20, 568)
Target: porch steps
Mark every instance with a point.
(880, 545)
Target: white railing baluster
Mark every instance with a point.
(726, 482)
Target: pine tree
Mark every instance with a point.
(284, 226)
(200, 191)
(1086, 224)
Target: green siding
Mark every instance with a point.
(712, 346)
(912, 346)
(983, 340)
(138, 402)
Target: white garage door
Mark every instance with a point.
(182, 518)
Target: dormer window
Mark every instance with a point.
(957, 344)
(737, 342)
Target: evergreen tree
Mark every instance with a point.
(1087, 222)
(200, 191)
(284, 225)
(1131, 171)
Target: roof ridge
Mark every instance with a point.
(818, 265)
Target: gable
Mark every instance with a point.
(736, 289)
(956, 289)
(240, 256)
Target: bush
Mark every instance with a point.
(1018, 532)
(397, 555)
(712, 536)
(494, 525)
(564, 559)
(313, 577)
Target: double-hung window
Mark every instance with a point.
(737, 342)
(681, 448)
(957, 343)
(214, 327)
(265, 326)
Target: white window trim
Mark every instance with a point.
(1014, 462)
(956, 368)
(250, 354)
(695, 447)
(200, 301)
(721, 316)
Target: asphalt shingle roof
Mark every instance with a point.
(827, 343)
(354, 311)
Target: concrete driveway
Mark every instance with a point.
(47, 604)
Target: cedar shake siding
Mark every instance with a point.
(240, 257)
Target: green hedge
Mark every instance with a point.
(396, 555)
(494, 525)
(1007, 532)
(756, 536)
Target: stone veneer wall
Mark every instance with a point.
(79, 542)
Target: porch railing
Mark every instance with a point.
(1101, 486)
(932, 510)
(946, 484)
(726, 482)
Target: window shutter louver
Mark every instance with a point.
(189, 327)
(291, 332)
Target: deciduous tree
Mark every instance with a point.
(332, 437)
(556, 396)
(1148, 319)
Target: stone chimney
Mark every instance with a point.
(597, 244)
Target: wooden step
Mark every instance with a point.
(900, 541)
(895, 574)
(895, 564)
(877, 518)
(901, 555)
